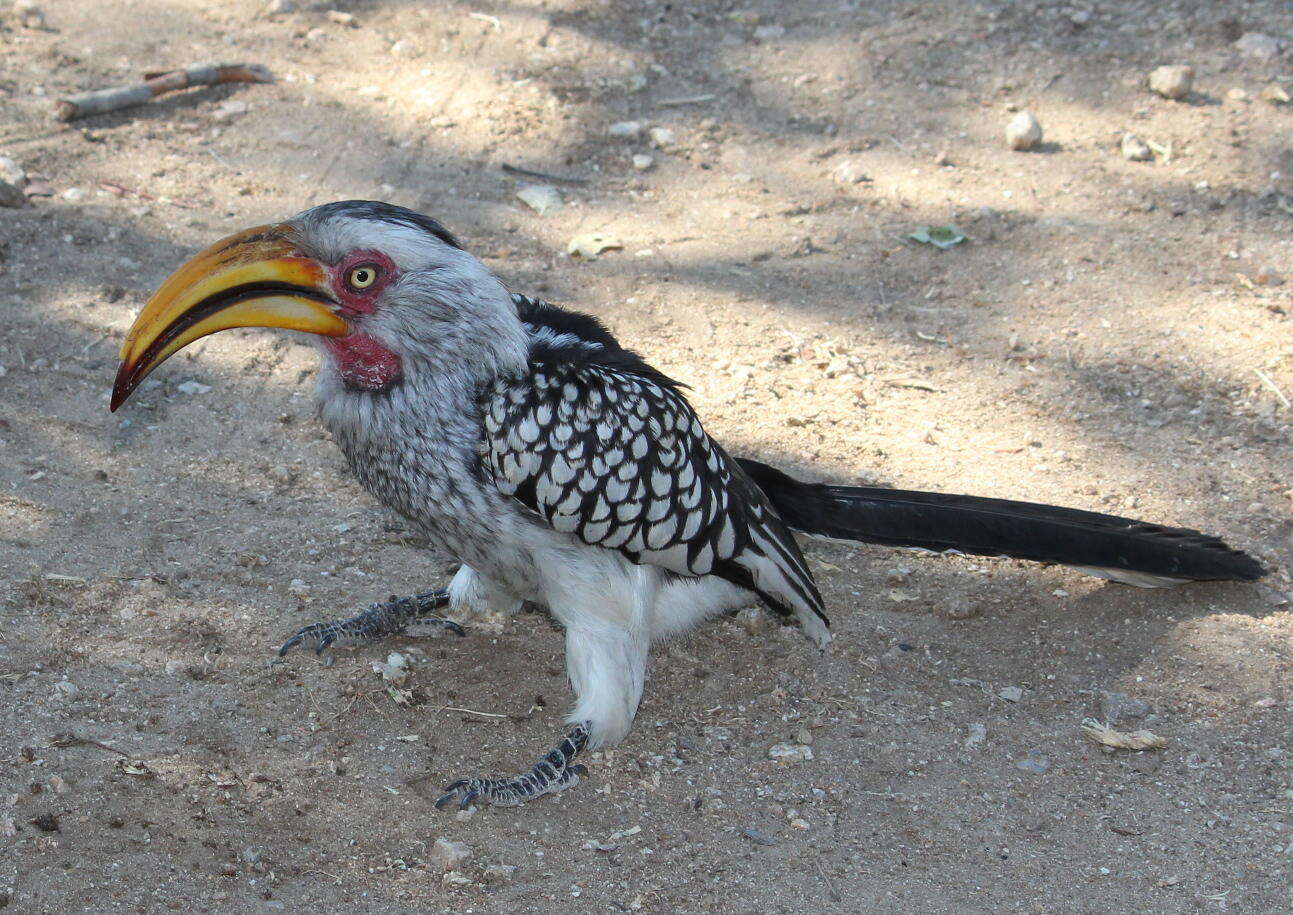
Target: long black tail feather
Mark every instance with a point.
(1000, 527)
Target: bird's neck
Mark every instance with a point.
(375, 397)
(362, 363)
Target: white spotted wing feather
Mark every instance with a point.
(620, 460)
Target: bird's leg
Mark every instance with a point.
(607, 670)
(378, 621)
(556, 772)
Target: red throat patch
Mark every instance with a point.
(363, 362)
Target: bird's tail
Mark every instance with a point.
(1121, 549)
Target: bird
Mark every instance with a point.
(559, 468)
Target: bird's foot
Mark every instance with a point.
(378, 621)
(556, 772)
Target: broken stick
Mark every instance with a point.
(102, 101)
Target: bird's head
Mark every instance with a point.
(386, 292)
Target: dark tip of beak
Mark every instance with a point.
(125, 384)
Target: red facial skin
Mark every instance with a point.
(364, 363)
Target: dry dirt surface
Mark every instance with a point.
(1113, 335)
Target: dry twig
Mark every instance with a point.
(531, 173)
(1271, 386)
(1121, 740)
(492, 20)
(102, 101)
(121, 190)
(472, 711)
(688, 100)
(69, 739)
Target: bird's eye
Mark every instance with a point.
(361, 277)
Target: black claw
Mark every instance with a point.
(309, 632)
(554, 772)
(381, 619)
(451, 791)
(293, 642)
(465, 791)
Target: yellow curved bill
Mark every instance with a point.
(252, 279)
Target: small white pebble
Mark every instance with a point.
(406, 49)
(1258, 45)
(753, 620)
(449, 856)
(789, 752)
(661, 136)
(850, 171)
(29, 14)
(1134, 149)
(1024, 131)
(1174, 82)
(395, 669)
(12, 172)
(228, 110)
(626, 129)
(66, 689)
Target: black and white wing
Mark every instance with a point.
(604, 447)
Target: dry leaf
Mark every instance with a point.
(65, 579)
(224, 780)
(591, 244)
(1122, 740)
(542, 198)
(919, 384)
(1275, 94)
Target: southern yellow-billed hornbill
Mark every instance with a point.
(560, 468)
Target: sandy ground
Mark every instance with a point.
(1100, 342)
